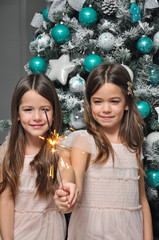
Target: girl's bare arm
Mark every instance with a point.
(147, 221)
(6, 215)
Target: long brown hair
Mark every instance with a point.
(14, 157)
(131, 130)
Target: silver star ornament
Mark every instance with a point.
(60, 69)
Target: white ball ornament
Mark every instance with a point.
(77, 84)
(77, 119)
(156, 39)
(152, 138)
(106, 41)
(157, 110)
(129, 71)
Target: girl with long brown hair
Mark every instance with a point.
(107, 159)
(27, 209)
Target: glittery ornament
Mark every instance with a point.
(77, 119)
(77, 84)
(144, 44)
(152, 138)
(154, 78)
(156, 39)
(106, 41)
(152, 177)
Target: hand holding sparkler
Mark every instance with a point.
(66, 198)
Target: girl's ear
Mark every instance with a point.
(126, 108)
(18, 118)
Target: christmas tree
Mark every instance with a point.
(71, 37)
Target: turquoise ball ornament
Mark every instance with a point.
(37, 65)
(154, 78)
(87, 16)
(60, 33)
(91, 61)
(144, 44)
(144, 108)
(152, 178)
(45, 15)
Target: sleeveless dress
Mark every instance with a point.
(109, 208)
(36, 218)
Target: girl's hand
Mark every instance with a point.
(66, 197)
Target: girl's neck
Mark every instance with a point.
(114, 140)
(33, 146)
(31, 150)
(113, 137)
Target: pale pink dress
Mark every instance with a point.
(35, 218)
(109, 208)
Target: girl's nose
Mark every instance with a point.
(37, 116)
(106, 107)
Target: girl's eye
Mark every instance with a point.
(97, 101)
(115, 101)
(27, 109)
(45, 109)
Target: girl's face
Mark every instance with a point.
(32, 115)
(108, 106)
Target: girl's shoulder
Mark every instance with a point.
(3, 149)
(79, 139)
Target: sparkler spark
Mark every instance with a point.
(63, 164)
(53, 140)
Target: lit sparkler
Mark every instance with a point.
(53, 142)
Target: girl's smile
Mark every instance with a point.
(108, 106)
(32, 115)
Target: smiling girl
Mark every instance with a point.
(27, 208)
(107, 159)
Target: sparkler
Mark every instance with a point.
(53, 141)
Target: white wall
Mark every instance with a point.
(15, 35)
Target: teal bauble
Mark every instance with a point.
(60, 33)
(144, 108)
(45, 15)
(152, 178)
(91, 61)
(87, 16)
(144, 44)
(37, 65)
(154, 78)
